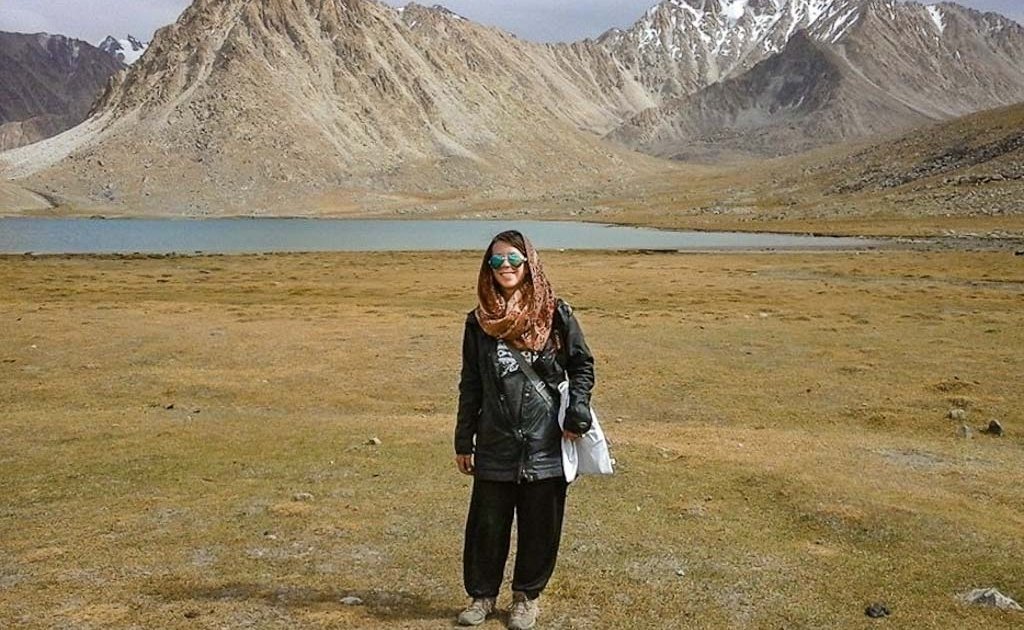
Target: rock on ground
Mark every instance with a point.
(992, 598)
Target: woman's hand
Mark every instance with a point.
(569, 435)
(465, 464)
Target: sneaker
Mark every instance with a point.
(524, 611)
(476, 613)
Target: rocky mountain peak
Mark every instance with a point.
(212, 36)
(681, 46)
(890, 65)
(127, 50)
(435, 16)
(286, 99)
(434, 9)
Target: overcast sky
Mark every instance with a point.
(537, 20)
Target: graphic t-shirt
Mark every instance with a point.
(507, 363)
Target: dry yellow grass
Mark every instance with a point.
(779, 420)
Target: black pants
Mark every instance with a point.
(538, 507)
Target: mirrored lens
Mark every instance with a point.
(515, 259)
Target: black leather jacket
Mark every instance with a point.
(510, 429)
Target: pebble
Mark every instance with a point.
(994, 428)
(965, 431)
(695, 511)
(374, 441)
(957, 414)
(302, 496)
(351, 601)
(877, 611)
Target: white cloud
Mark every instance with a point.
(91, 20)
(13, 20)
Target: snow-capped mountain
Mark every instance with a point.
(260, 101)
(681, 46)
(47, 84)
(126, 51)
(890, 65)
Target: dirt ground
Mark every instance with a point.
(186, 442)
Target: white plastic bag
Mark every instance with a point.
(588, 454)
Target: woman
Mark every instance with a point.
(507, 435)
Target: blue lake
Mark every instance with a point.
(163, 236)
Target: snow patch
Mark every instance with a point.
(127, 50)
(842, 25)
(734, 9)
(728, 29)
(447, 12)
(937, 17)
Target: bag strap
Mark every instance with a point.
(535, 380)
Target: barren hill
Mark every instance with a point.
(283, 102)
(973, 164)
(963, 176)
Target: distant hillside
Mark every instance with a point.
(959, 177)
(973, 164)
(15, 198)
(48, 83)
(801, 98)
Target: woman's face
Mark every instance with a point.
(508, 277)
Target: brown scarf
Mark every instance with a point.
(524, 320)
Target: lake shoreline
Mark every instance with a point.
(979, 230)
(236, 235)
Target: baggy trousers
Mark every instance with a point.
(538, 507)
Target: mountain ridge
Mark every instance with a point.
(902, 65)
(247, 105)
(357, 94)
(47, 84)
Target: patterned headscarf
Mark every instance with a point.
(524, 320)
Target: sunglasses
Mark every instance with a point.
(515, 260)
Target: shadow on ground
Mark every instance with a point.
(385, 605)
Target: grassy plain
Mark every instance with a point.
(184, 441)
